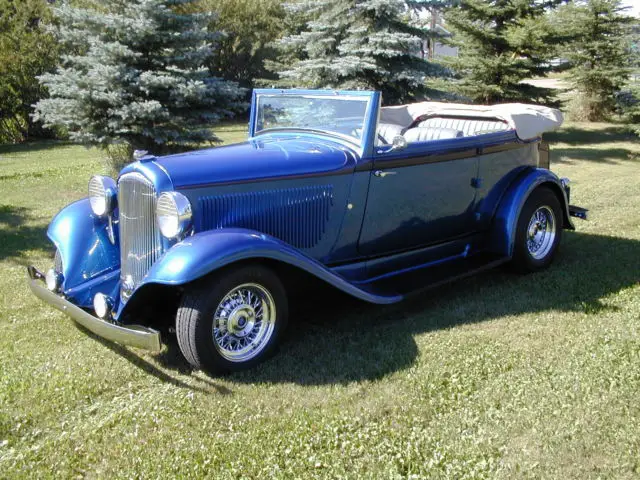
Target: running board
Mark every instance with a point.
(418, 280)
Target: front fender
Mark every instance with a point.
(205, 252)
(90, 262)
(503, 231)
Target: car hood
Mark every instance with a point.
(256, 159)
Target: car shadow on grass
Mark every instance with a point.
(178, 363)
(612, 156)
(336, 339)
(575, 135)
(572, 141)
(35, 146)
(16, 237)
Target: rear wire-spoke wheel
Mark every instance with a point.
(232, 320)
(541, 232)
(538, 232)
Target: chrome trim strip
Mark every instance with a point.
(132, 335)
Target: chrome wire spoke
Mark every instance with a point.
(541, 232)
(244, 322)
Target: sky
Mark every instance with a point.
(635, 7)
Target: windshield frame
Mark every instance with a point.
(362, 144)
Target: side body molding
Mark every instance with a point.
(505, 221)
(90, 262)
(205, 252)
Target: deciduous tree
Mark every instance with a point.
(26, 51)
(249, 28)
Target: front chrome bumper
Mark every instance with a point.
(132, 335)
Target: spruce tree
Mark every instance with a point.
(600, 53)
(501, 43)
(134, 77)
(358, 44)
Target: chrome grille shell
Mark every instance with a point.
(140, 239)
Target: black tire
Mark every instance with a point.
(542, 200)
(200, 303)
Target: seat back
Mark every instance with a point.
(468, 126)
(423, 134)
(386, 132)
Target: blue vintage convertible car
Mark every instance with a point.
(377, 202)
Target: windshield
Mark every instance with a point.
(341, 115)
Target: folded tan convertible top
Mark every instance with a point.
(529, 121)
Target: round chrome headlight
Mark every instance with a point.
(174, 214)
(102, 195)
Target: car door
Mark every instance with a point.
(419, 195)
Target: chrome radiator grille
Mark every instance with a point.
(140, 241)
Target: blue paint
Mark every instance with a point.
(209, 251)
(154, 171)
(498, 172)
(297, 216)
(312, 201)
(445, 146)
(85, 248)
(421, 256)
(418, 205)
(464, 253)
(256, 208)
(267, 158)
(503, 233)
(108, 283)
(345, 248)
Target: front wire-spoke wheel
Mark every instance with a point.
(244, 322)
(232, 320)
(538, 232)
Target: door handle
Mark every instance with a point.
(382, 174)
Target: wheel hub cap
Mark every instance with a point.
(243, 322)
(541, 232)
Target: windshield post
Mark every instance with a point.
(371, 125)
(252, 114)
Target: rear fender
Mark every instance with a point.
(503, 231)
(208, 251)
(90, 262)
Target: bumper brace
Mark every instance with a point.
(578, 212)
(133, 335)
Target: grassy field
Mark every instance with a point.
(495, 376)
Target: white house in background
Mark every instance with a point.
(441, 49)
(433, 21)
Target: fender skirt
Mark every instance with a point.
(505, 222)
(205, 252)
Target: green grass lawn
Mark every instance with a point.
(495, 376)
